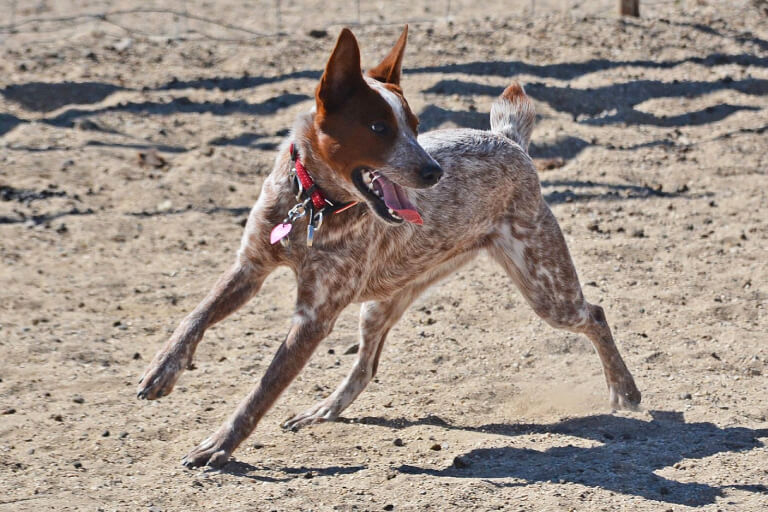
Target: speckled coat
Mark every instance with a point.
(488, 198)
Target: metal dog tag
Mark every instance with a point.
(310, 233)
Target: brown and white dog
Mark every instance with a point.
(391, 214)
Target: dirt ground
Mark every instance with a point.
(652, 151)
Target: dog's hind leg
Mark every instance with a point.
(534, 254)
(233, 289)
(376, 319)
(316, 311)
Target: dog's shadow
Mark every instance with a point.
(629, 453)
(244, 470)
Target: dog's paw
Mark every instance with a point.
(319, 413)
(210, 452)
(625, 395)
(159, 379)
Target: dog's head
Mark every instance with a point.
(366, 131)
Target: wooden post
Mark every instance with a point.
(629, 7)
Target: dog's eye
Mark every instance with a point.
(380, 128)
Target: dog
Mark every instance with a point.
(364, 211)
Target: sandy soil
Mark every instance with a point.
(652, 151)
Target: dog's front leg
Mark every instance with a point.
(233, 289)
(376, 319)
(311, 323)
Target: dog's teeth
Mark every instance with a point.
(391, 211)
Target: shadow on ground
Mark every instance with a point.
(613, 103)
(629, 453)
(245, 470)
(571, 70)
(45, 96)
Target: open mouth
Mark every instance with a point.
(388, 199)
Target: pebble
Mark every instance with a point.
(79, 400)
(122, 44)
(460, 462)
(10, 410)
(436, 447)
(352, 349)
(151, 158)
(398, 442)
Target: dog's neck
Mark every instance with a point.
(305, 136)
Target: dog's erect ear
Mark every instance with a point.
(342, 75)
(389, 69)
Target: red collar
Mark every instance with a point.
(309, 187)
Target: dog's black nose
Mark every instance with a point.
(431, 174)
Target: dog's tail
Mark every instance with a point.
(512, 115)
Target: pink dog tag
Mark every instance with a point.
(279, 232)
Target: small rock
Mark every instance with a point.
(123, 435)
(105, 433)
(123, 44)
(318, 33)
(685, 396)
(57, 417)
(87, 125)
(165, 206)
(389, 506)
(548, 164)
(136, 355)
(79, 400)
(460, 463)
(77, 464)
(594, 226)
(10, 410)
(639, 233)
(398, 442)
(309, 475)
(436, 447)
(352, 349)
(152, 158)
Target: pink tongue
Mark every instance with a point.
(396, 198)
